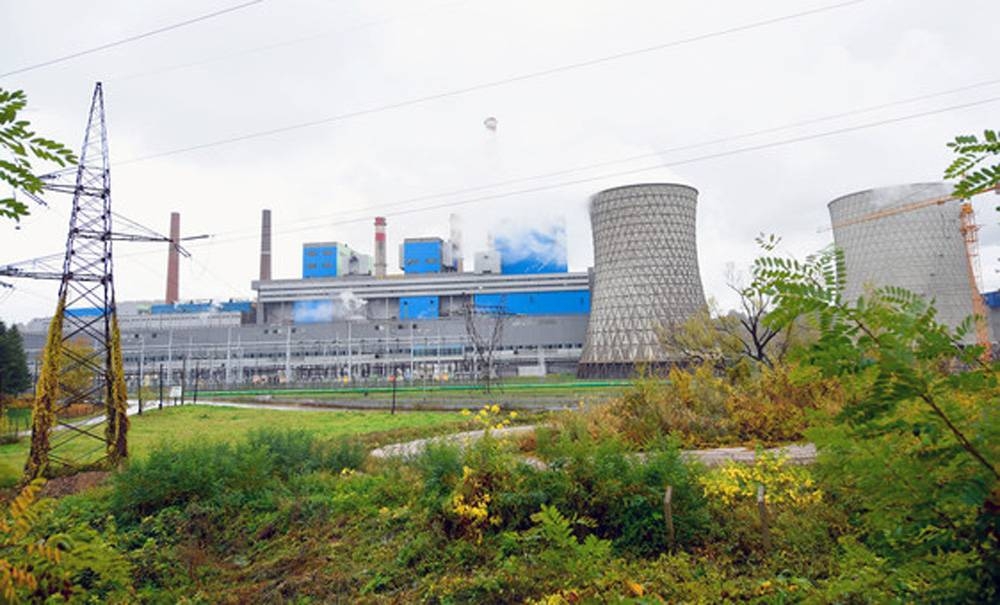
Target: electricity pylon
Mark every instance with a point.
(82, 361)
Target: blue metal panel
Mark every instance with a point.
(574, 302)
(163, 309)
(422, 257)
(312, 311)
(84, 312)
(419, 307)
(243, 306)
(533, 252)
(319, 261)
(992, 299)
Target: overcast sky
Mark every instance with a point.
(280, 63)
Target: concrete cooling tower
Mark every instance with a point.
(645, 275)
(919, 249)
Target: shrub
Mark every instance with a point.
(46, 557)
(294, 452)
(178, 474)
(774, 404)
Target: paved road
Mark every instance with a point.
(797, 454)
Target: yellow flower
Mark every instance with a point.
(636, 588)
(495, 408)
(466, 413)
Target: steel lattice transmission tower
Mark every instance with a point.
(82, 362)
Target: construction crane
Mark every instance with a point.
(970, 235)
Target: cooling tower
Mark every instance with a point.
(919, 249)
(645, 275)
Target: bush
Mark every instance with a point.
(295, 452)
(702, 409)
(178, 474)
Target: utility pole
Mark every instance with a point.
(161, 386)
(142, 355)
(196, 374)
(184, 371)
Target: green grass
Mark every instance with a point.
(206, 424)
(509, 392)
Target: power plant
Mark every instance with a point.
(645, 275)
(346, 319)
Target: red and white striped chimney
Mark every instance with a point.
(173, 268)
(379, 246)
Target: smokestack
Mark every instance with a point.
(380, 246)
(265, 245)
(456, 240)
(173, 269)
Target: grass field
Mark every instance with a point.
(520, 395)
(213, 424)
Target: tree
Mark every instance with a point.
(14, 375)
(914, 452)
(720, 338)
(707, 336)
(485, 331)
(974, 177)
(18, 147)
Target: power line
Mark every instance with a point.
(134, 38)
(495, 83)
(652, 154)
(692, 160)
(284, 43)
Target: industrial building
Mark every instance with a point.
(344, 319)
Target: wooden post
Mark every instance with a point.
(668, 515)
(764, 524)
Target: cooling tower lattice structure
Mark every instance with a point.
(921, 249)
(645, 275)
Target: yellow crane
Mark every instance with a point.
(970, 234)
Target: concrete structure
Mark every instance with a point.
(645, 275)
(173, 259)
(922, 250)
(265, 245)
(380, 263)
(487, 262)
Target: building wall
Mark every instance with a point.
(422, 256)
(319, 260)
(535, 303)
(329, 351)
(419, 307)
(533, 250)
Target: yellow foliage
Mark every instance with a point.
(46, 396)
(116, 408)
(14, 529)
(784, 484)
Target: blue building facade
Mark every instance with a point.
(319, 260)
(425, 255)
(575, 302)
(419, 307)
(533, 251)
